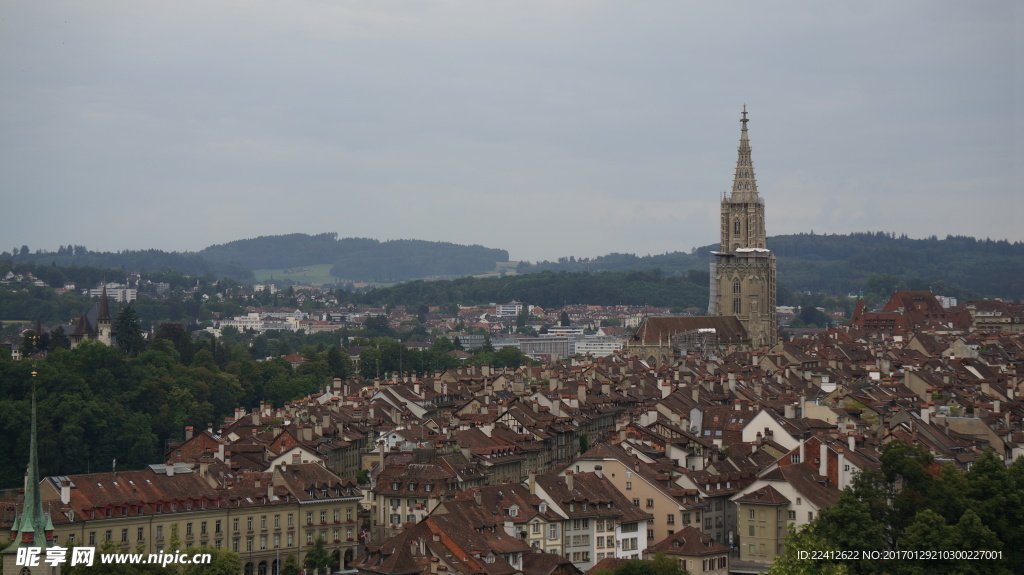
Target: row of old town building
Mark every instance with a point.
(688, 442)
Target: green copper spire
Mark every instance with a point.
(33, 527)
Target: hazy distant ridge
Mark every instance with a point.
(359, 259)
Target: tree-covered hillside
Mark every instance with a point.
(551, 290)
(359, 259)
(129, 260)
(845, 264)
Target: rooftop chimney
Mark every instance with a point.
(823, 455)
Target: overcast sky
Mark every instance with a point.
(549, 128)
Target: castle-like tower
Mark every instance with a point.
(743, 273)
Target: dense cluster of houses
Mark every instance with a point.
(568, 466)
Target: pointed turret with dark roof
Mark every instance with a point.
(104, 324)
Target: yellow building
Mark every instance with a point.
(263, 517)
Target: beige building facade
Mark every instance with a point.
(156, 510)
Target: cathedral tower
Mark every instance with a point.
(743, 273)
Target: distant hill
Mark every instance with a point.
(132, 261)
(359, 259)
(875, 262)
(845, 264)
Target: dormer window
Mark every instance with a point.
(429, 487)
(543, 507)
(412, 487)
(394, 485)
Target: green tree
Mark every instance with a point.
(928, 532)
(339, 362)
(290, 567)
(58, 339)
(319, 559)
(127, 331)
(849, 526)
(222, 562)
(370, 360)
(806, 540)
(970, 534)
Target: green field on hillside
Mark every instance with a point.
(320, 274)
(316, 275)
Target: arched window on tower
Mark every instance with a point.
(736, 227)
(737, 301)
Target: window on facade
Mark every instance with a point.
(124, 536)
(650, 503)
(671, 519)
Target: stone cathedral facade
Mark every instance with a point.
(743, 273)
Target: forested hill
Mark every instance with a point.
(73, 256)
(959, 266)
(359, 259)
(845, 264)
(351, 259)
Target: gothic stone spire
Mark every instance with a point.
(744, 186)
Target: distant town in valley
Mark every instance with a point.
(404, 407)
